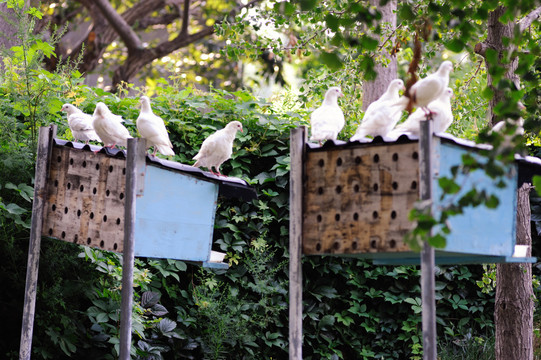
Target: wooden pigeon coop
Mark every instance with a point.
(175, 209)
(356, 198)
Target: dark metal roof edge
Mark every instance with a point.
(231, 187)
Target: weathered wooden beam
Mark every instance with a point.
(428, 280)
(134, 165)
(45, 141)
(297, 146)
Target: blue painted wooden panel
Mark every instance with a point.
(479, 230)
(175, 216)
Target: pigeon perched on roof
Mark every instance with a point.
(428, 89)
(152, 128)
(217, 148)
(109, 127)
(80, 124)
(383, 114)
(327, 120)
(440, 110)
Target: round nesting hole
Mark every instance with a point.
(71, 161)
(50, 231)
(84, 164)
(318, 247)
(356, 188)
(354, 245)
(104, 218)
(97, 166)
(118, 221)
(373, 244)
(339, 162)
(69, 186)
(121, 196)
(56, 183)
(392, 243)
(414, 185)
(59, 158)
(415, 155)
(115, 246)
(394, 185)
(393, 214)
(376, 187)
(123, 171)
(81, 188)
(88, 241)
(337, 217)
(94, 191)
(395, 157)
(102, 244)
(355, 216)
(75, 238)
(319, 218)
(336, 245)
(110, 168)
(376, 158)
(321, 162)
(53, 207)
(107, 192)
(338, 189)
(320, 190)
(91, 215)
(66, 210)
(78, 213)
(375, 214)
(63, 235)
(358, 160)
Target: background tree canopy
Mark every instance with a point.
(268, 64)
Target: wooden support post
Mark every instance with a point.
(45, 143)
(134, 165)
(298, 139)
(428, 281)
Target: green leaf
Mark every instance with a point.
(438, 241)
(455, 45)
(449, 186)
(332, 60)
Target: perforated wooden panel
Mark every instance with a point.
(357, 200)
(85, 198)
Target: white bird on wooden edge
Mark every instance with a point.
(80, 124)
(217, 148)
(383, 114)
(428, 89)
(328, 119)
(152, 128)
(440, 110)
(109, 127)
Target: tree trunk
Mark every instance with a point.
(8, 30)
(372, 90)
(513, 313)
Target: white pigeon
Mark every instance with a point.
(152, 128)
(383, 114)
(80, 124)
(327, 120)
(109, 127)
(428, 89)
(442, 117)
(217, 148)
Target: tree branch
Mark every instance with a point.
(185, 18)
(120, 25)
(529, 19)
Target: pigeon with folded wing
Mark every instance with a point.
(428, 89)
(441, 112)
(80, 124)
(217, 148)
(383, 114)
(152, 128)
(109, 126)
(327, 120)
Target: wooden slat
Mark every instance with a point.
(356, 199)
